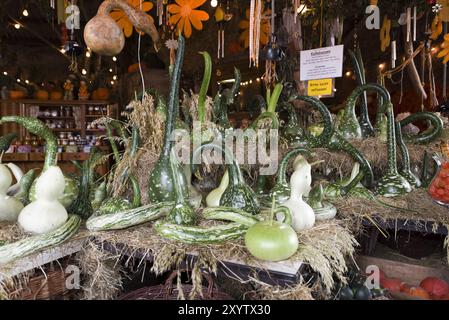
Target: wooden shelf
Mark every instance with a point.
(55, 118)
(95, 116)
(38, 157)
(95, 130)
(59, 103)
(66, 130)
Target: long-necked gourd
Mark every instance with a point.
(323, 210)
(406, 171)
(349, 126)
(6, 140)
(392, 184)
(226, 98)
(300, 183)
(281, 190)
(429, 135)
(293, 132)
(10, 207)
(45, 213)
(18, 175)
(359, 69)
(332, 140)
(161, 184)
(25, 186)
(181, 213)
(38, 128)
(238, 194)
(270, 113)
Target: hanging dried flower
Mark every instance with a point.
(122, 20)
(185, 16)
(265, 28)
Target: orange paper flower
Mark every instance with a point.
(122, 20)
(185, 16)
(265, 28)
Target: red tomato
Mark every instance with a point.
(391, 284)
(436, 287)
(445, 166)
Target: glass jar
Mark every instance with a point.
(90, 111)
(439, 187)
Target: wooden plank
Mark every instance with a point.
(42, 258)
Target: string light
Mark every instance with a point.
(213, 3)
(114, 59)
(348, 74)
(382, 66)
(5, 73)
(27, 81)
(88, 54)
(18, 80)
(112, 82)
(17, 26)
(25, 13)
(434, 50)
(62, 51)
(258, 79)
(84, 71)
(110, 70)
(114, 77)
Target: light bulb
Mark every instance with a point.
(27, 81)
(88, 55)
(17, 26)
(214, 3)
(18, 80)
(62, 51)
(114, 77)
(5, 73)
(84, 71)
(110, 70)
(25, 13)
(114, 59)
(112, 82)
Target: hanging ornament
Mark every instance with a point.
(220, 20)
(385, 38)
(393, 54)
(52, 4)
(185, 14)
(160, 11)
(244, 25)
(122, 19)
(408, 14)
(415, 11)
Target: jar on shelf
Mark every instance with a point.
(90, 111)
(439, 187)
(97, 111)
(55, 113)
(68, 112)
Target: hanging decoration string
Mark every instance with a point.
(139, 59)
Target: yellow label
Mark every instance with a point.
(322, 87)
(444, 13)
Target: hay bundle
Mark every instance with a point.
(264, 291)
(324, 248)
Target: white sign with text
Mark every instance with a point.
(322, 63)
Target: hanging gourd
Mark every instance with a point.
(10, 207)
(303, 215)
(122, 19)
(185, 14)
(104, 36)
(46, 213)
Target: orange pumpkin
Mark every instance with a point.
(56, 95)
(16, 94)
(435, 287)
(100, 94)
(41, 95)
(419, 292)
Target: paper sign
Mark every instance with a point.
(322, 87)
(322, 63)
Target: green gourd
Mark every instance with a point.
(292, 132)
(281, 190)
(323, 210)
(25, 186)
(230, 214)
(270, 114)
(161, 185)
(406, 172)
(204, 86)
(238, 194)
(224, 99)
(392, 184)
(349, 126)
(359, 69)
(39, 129)
(431, 134)
(6, 140)
(181, 213)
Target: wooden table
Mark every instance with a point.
(281, 273)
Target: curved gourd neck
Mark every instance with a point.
(282, 176)
(173, 103)
(392, 157)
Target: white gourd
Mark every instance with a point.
(303, 215)
(214, 197)
(18, 174)
(46, 213)
(10, 207)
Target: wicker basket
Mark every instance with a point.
(43, 287)
(169, 291)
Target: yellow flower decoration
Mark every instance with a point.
(437, 28)
(122, 20)
(445, 52)
(265, 28)
(185, 16)
(385, 38)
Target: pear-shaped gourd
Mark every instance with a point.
(46, 213)
(303, 215)
(213, 198)
(10, 207)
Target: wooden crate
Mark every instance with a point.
(411, 273)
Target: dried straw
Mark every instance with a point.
(264, 291)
